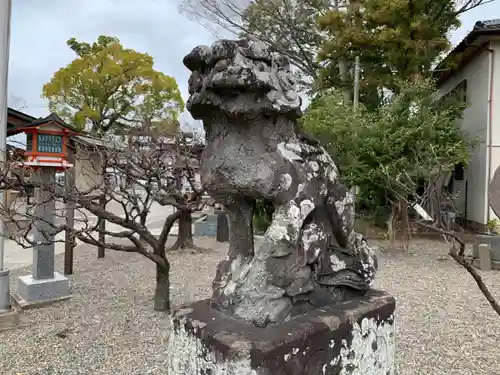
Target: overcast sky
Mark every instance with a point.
(40, 28)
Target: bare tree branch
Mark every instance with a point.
(405, 191)
(459, 257)
(133, 180)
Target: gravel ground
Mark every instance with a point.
(444, 326)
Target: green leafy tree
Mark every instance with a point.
(262, 215)
(111, 88)
(394, 40)
(390, 152)
(291, 28)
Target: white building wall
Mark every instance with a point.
(475, 124)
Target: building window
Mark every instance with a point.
(458, 173)
(50, 143)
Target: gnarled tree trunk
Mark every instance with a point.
(391, 225)
(162, 291)
(185, 235)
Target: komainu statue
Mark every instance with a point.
(310, 255)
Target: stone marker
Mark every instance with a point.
(300, 302)
(483, 254)
(44, 284)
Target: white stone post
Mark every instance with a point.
(5, 12)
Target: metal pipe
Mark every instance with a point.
(489, 129)
(466, 220)
(5, 14)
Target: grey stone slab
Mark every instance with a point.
(43, 261)
(483, 251)
(35, 290)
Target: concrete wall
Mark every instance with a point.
(475, 123)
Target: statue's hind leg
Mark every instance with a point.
(349, 262)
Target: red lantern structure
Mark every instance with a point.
(46, 142)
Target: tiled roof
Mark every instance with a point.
(87, 140)
(41, 121)
(21, 115)
(488, 24)
(467, 48)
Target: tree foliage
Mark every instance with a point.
(414, 29)
(140, 179)
(110, 87)
(289, 26)
(394, 40)
(262, 215)
(389, 152)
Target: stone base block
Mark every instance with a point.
(356, 337)
(494, 243)
(31, 291)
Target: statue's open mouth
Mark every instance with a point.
(219, 88)
(224, 84)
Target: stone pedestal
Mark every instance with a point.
(33, 290)
(356, 337)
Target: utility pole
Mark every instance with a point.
(5, 12)
(355, 103)
(357, 70)
(343, 73)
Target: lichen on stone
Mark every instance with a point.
(371, 350)
(188, 354)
